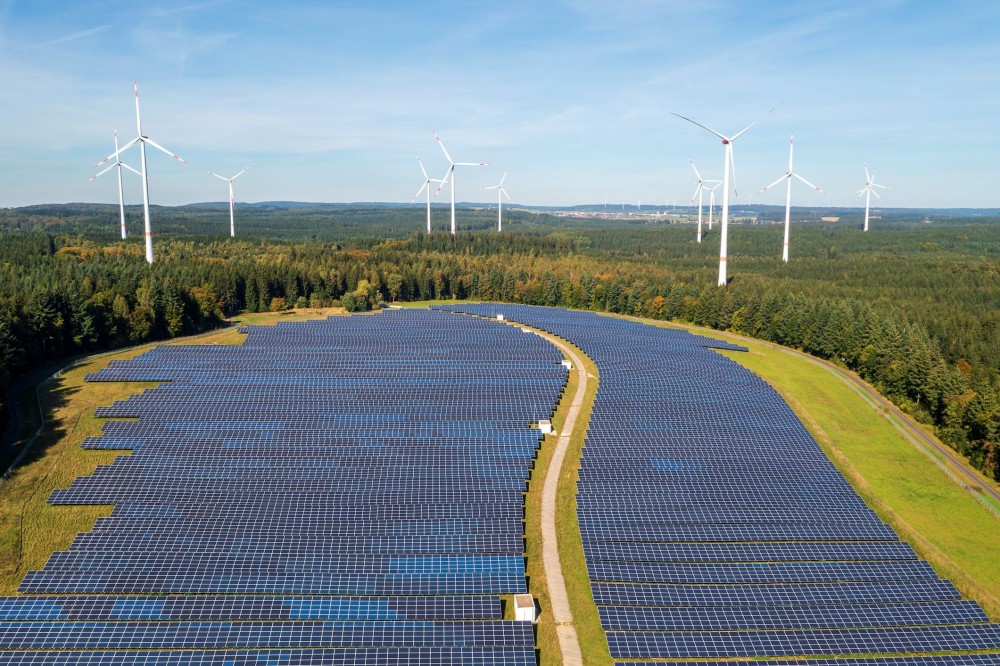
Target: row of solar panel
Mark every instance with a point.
(140, 635)
(177, 608)
(419, 656)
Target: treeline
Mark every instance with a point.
(61, 295)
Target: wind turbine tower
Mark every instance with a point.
(449, 175)
(426, 186)
(232, 200)
(868, 190)
(728, 163)
(121, 196)
(788, 196)
(142, 140)
(500, 191)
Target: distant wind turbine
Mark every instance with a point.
(142, 140)
(788, 196)
(868, 190)
(727, 141)
(449, 175)
(121, 196)
(500, 191)
(426, 186)
(232, 200)
(711, 201)
(699, 192)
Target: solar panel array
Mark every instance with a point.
(714, 528)
(347, 491)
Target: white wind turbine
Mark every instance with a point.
(232, 200)
(868, 190)
(121, 196)
(727, 141)
(142, 141)
(788, 196)
(426, 186)
(500, 191)
(711, 201)
(699, 192)
(449, 175)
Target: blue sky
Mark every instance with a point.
(330, 101)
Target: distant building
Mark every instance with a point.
(829, 219)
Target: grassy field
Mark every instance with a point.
(940, 519)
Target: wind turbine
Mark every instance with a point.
(449, 175)
(727, 141)
(426, 186)
(121, 197)
(142, 140)
(711, 201)
(868, 190)
(699, 192)
(788, 196)
(232, 201)
(500, 191)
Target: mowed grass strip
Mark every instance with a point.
(30, 528)
(947, 527)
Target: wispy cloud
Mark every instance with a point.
(74, 36)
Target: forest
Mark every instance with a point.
(913, 307)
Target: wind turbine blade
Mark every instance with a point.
(505, 194)
(737, 135)
(732, 169)
(491, 187)
(444, 181)
(697, 189)
(884, 187)
(426, 184)
(422, 169)
(101, 173)
(724, 138)
(695, 171)
(135, 171)
(774, 183)
(472, 164)
(876, 194)
(239, 174)
(217, 176)
(441, 143)
(808, 183)
(159, 147)
(118, 152)
(867, 176)
(503, 177)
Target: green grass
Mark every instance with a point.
(948, 527)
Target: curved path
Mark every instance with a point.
(958, 466)
(569, 645)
